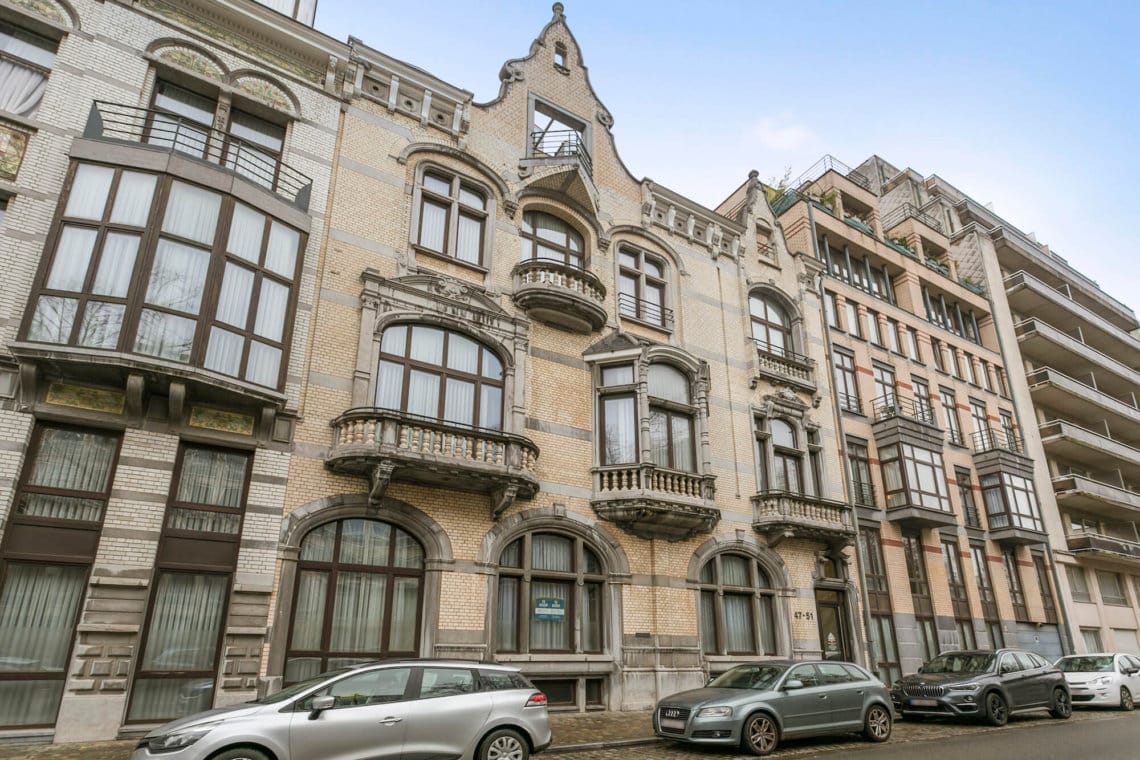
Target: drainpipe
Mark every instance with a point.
(860, 562)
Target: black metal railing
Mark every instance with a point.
(562, 143)
(849, 402)
(780, 352)
(163, 130)
(991, 439)
(646, 311)
(910, 211)
(894, 405)
(831, 163)
(862, 494)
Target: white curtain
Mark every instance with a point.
(178, 276)
(659, 437)
(165, 336)
(459, 401)
(101, 325)
(389, 385)
(72, 257)
(173, 132)
(708, 622)
(365, 542)
(73, 460)
(462, 354)
(427, 344)
(246, 230)
(469, 239)
(89, 188)
(271, 305)
(185, 622)
(423, 394)
(52, 320)
(405, 605)
(309, 612)
(433, 225)
(162, 699)
(357, 612)
(767, 626)
(409, 553)
(203, 521)
(37, 614)
(254, 164)
(264, 364)
(233, 299)
(591, 617)
(281, 254)
(212, 477)
(738, 623)
(223, 353)
(668, 383)
(550, 552)
(490, 407)
(116, 264)
(29, 703)
(192, 212)
(21, 88)
(132, 199)
(507, 616)
(734, 571)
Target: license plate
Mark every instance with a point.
(924, 703)
(673, 723)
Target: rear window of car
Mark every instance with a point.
(446, 682)
(833, 673)
(502, 680)
(857, 673)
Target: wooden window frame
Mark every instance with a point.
(454, 209)
(643, 280)
(755, 590)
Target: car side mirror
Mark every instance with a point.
(320, 704)
(919, 669)
(1131, 671)
(793, 684)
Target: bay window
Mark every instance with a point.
(442, 374)
(914, 476)
(1011, 502)
(671, 443)
(549, 596)
(150, 265)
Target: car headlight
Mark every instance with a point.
(715, 712)
(1102, 681)
(971, 687)
(179, 739)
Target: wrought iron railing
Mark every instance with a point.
(831, 163)
(862, 494)
(992, 439)
(562, 143)
(780, 361)
(646, 311)
(163, 130)
(894, 405)
(849, 402)
(910, 211)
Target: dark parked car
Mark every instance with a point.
(755, 706)
(983, 684)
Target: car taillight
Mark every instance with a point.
(538, 699)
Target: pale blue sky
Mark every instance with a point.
(1032, 106)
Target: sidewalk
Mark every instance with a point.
(572, 732)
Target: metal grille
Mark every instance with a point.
(673, 713)
(924, 691)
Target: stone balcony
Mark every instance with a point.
(784, 367)
(781, 514)
(558, 294)
(385, 445)
(648, 501)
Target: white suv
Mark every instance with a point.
(382, 710)
(1111, 679)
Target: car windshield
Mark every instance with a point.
(297, 688)
(960, 662)
(1085, 664)
(757, 677)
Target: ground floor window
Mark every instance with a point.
(358, 597)
(38, 608)
(573, 693)
(884, 649)
(1091, 637)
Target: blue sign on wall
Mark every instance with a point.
(550, 609)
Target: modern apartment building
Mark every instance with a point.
(308, 358)
(952, 545)
(1078, 352)
(164, 177)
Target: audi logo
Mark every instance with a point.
(671, 713)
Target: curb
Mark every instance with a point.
(613, 744)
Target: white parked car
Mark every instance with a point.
(1107, 680)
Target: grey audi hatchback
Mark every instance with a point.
(379, 711)
(759, 704)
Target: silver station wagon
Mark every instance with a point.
(377, 711)
(758, 705)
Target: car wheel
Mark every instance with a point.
(504, 744)
(241, 753)
(1062, 707)
(997, 711)
(760, 735)
(877, 724)
(1126, 702)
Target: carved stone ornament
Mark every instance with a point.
(605, 118)
(453, 289)
(512, 72)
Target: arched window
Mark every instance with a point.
(641, 288)
(441, 374)
(737, 607)
(787, 472)
(544, 236)
(771, 325)
(670, 419)
(359, 597)
(549, 596)
(452, 216)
